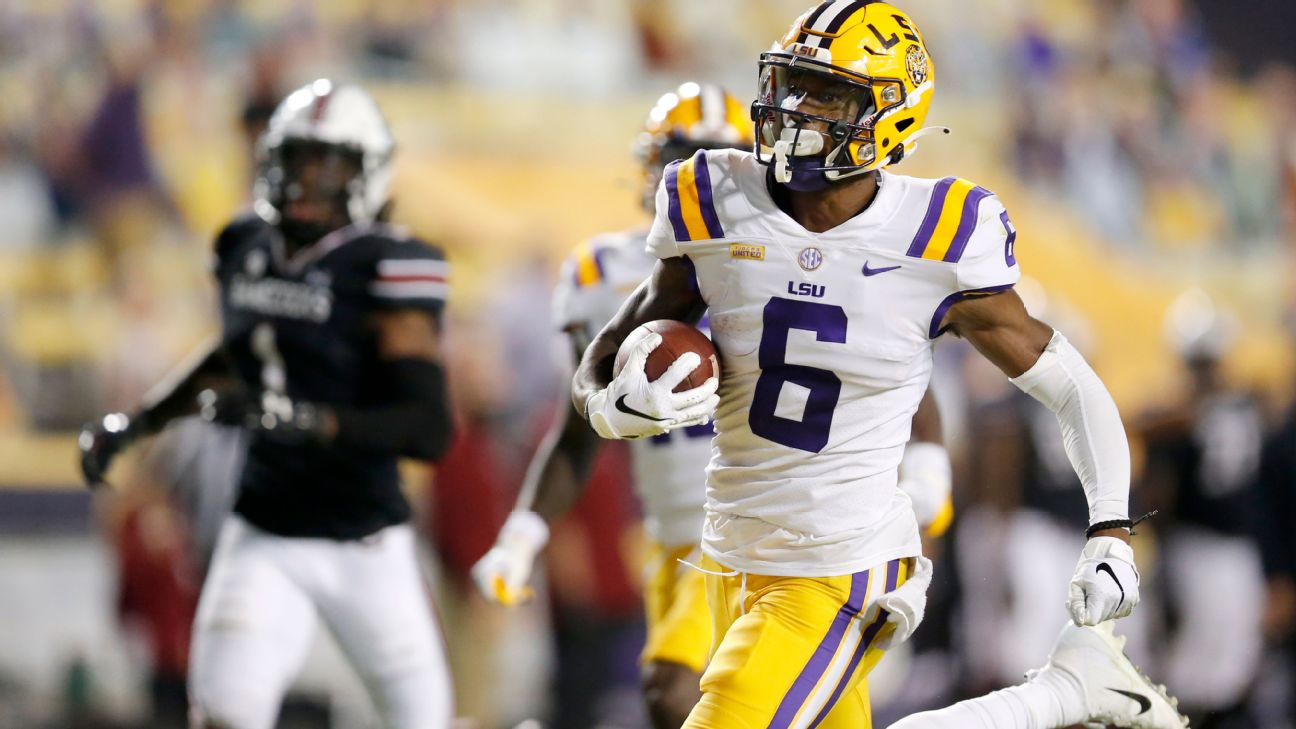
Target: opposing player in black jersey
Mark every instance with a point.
(329, 354)
(1203, 467)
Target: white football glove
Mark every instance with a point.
(907, 604)
(502, 574)
(1106, 582)
(632, 407)
(926, 476)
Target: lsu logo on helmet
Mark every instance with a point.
(695, 116)
(873, 62)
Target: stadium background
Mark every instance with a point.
(1147, 148)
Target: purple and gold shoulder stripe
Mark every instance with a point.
(951, 217)
(691, 207)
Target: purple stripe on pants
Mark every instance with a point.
(673, 202)
(932, 217)
(702, 177)
(823, 654)
(967, 223)
(893, 574)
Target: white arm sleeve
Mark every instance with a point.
(1091, 426)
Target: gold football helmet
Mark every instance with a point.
(695, 116)
(846, 91)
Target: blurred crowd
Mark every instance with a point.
(127, 133)
(1148, 134)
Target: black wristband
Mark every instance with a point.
(1113, 524)
(1118, 524)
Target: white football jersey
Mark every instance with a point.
(669, 470)
(826, 345)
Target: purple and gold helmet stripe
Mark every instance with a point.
(866, 642)
(843, 14)
(690, 205)
(950, 220)
(828, 19)
(812, 19)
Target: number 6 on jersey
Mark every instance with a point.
(828, 322)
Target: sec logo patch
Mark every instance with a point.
(810, 259)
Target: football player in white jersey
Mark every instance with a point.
(669, 469)
(827, 280)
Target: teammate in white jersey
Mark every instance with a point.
(670, 468)
(827, 281)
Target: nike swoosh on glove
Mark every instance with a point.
(632, 407)
(907, 604)
(503, 573)
(1106, 582)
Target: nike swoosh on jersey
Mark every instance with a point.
(1144, 702)
(875, 271)
(621, 405)
(1104, 567)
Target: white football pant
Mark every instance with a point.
(1217, 584)
(260, 606)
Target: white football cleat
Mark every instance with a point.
(1116, 692)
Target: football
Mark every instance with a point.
(677, 338)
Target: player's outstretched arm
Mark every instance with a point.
(554, 481)
(174, 397)
(409, 415)
(630, 406)
(1043, 364)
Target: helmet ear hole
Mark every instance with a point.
(904, 124)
